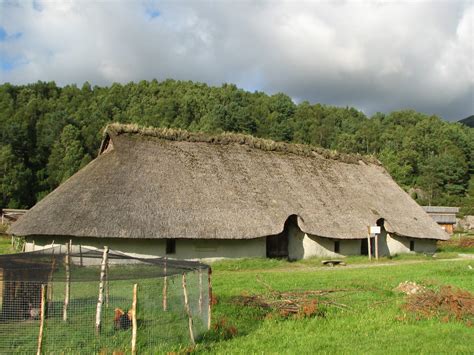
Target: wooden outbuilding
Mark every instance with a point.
(444, 216)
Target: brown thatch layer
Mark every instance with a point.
(150, 183)
(229, 138)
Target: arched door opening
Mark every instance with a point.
(277, 245)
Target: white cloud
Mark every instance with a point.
(375, 55)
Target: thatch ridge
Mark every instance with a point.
(238, 138)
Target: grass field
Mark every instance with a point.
(458, 243)
(373, 322)
(5, 244)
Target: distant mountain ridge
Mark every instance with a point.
(468, 121)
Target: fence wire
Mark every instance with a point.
(69, 297)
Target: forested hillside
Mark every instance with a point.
(49, 132)
(468, 121)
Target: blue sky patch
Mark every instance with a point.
(5, 64)
(152, 13)
(4, 36)
(37, 6)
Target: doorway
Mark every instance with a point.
(277, 245)
(364, 246)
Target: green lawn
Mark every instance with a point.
(458, 243)
(373, 324)
(5, 245)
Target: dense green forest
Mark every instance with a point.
(48, 132)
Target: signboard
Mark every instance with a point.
(374, 230)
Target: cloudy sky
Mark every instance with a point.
(373, 55)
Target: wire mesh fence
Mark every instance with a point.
(61, 300)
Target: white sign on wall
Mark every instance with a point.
(374, 230)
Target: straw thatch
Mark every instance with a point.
(150, 183)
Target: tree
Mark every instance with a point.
(14, 179)
(67, 156)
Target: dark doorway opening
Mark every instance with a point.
(277, 245)
(364, 246)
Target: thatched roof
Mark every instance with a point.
(154, 183)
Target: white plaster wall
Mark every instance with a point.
(425, 246)
(304, 246)
(185, 248)
(400, 245)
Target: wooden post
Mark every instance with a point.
(376, 247)
(200, 291)
(80, 256)
(67, 291)
(42, 316)
(369, 247)
(134, 320)
(165, 288)
(50, 278)
(107, 292)
(209, 273)
(188, 310)
(100, 300)
(33, 246)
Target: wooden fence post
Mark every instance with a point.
(134, 320)
(107, 291)
(188, 310)
(200, 290)
(209, 310)
(165, 288)
(100, 300)
(50, 278)
(42, 316)
(67, 291)
(80, 256)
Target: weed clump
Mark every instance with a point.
(223, 329)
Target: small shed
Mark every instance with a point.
(10, 215)
(444, 216)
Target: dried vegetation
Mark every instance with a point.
(448, 303)
(237, 138)
(295, 304)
